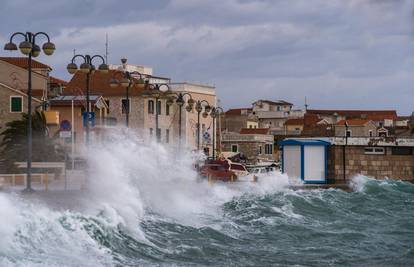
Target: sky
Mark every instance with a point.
(339, 54)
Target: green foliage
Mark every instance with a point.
(14, 142)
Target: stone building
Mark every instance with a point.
(356, 128)
(381, 118)
(375, 157)
(233, 120)
(274, 114)
(294, 126)
(255, 144)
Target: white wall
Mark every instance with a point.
(314, 163)
(292, 161)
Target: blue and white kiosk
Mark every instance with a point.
(306, 159)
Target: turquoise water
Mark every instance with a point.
(239, 226)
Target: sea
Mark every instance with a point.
(145, 206)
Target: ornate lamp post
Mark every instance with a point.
(127, 81)
(31, 49)
(199, 108)
(156, 90)
(215, 112)
(180, 101)
(87, 67)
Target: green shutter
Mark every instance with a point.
(16, 104)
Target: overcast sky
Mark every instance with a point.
(338, 53)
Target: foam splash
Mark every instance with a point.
(141, 196)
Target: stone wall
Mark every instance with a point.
(377, 166)
(250, 149)
(357, 130)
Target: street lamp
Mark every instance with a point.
(180, 101)
(215, 112)
(199, 108)
(156, 90)
(31, 49)
(127, 81)
(87, 67)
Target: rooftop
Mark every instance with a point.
(353, 122)
(58, 81)
(22, 62)
(238, 111)
(277, 102)
(254, 131)
(66, 100)
(363, 114)
(299, 121)
(99, 85)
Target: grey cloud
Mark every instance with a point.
(338, 53)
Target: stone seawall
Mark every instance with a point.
(379, 166)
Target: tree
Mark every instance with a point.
(14, 142)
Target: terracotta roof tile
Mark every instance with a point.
(237, 111)
(22, 62)
(299, 121)
(311, 119)
(55, 80)
(254, 131)
(369, 114)
(99, 85)
(353, 122)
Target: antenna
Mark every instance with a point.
(74, 52)
(106, 48)
(306, 104)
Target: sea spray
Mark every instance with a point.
(143, 204)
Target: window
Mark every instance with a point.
(125, 106)
(151, 131)
(375, 150)
(260, 150)
(403, 151)
(268, 149)
(167, 109)
(235, 148)
(150, 106)
(16, 104)
(159, 107)
(348, 133)
(370, 133)
(278, 108)
(167, 136)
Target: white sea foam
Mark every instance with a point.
(126, 179)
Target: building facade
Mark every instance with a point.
(254, 144)
(356, 128)
(274, 114)
(233, 120)
(145, 111)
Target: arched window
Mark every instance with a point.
(150, 106)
